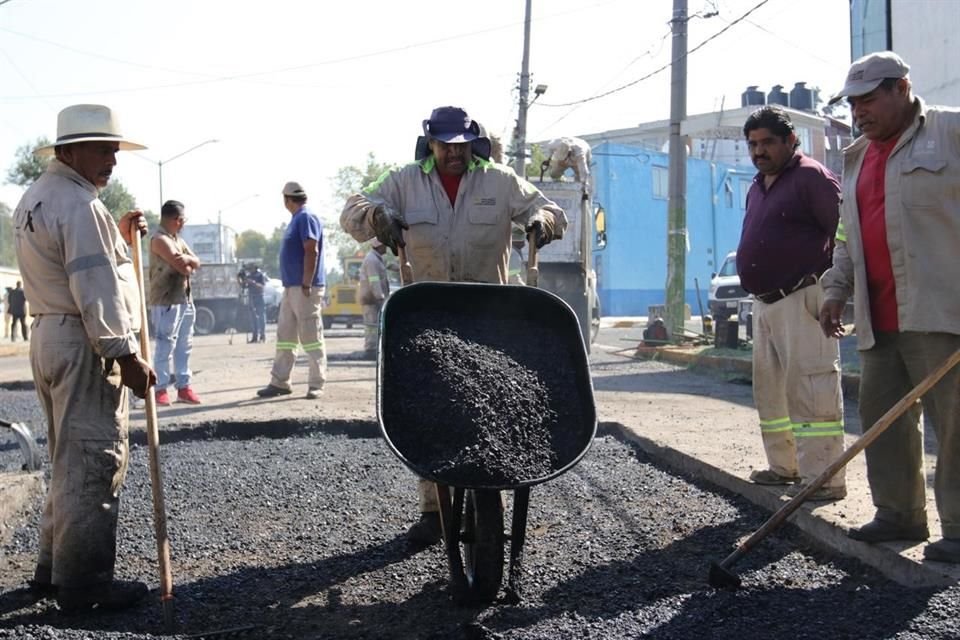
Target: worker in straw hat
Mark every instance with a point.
(83, 294)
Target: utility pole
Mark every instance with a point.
(677, 200)
(520, 139)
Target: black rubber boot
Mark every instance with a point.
(426, 531)
(119, 594)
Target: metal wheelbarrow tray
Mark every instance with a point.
(483, 388)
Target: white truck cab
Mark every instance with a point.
(725, 291)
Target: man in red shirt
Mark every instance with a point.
(896, 255)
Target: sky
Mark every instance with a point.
(294, 90)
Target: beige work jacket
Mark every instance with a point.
(922, 206)
(74, 261)
(469, 242)
(374, 285)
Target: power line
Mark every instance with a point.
(659, 69)
(210, 78)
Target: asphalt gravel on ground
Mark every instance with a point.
(296, 530)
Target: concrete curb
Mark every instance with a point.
(886, 558)
(849, 382)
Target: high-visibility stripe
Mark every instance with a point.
(373, 278)
(818, 429)
(87, 262)
(286, 346)
(841, 232)
(313, 346)
(775, 426)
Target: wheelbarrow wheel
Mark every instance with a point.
(483, 541)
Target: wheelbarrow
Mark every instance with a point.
(520, 347)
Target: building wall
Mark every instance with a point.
(631, 186)
(925, 33)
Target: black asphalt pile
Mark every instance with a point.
(476, 401)
(298, 531)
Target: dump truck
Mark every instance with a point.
(566, 265)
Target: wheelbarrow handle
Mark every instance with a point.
(533, 262)
(406, 270)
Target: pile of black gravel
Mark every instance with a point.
(478, 402)
(299, 532)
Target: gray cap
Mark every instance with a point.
(293, 189)
(868, 72)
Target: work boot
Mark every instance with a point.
(823, 494)
(188, 395)
(42, 586)
(313, 393)
(119, 594)
(426, 531)
(163, 398)
(944, 550)
(770, 477)
(271, 391)
(883, 531)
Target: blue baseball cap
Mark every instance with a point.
(451, 124)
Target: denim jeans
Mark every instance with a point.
(173, 326)
(258, 318)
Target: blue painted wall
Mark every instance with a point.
(631, 185)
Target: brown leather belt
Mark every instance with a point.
(773, 296)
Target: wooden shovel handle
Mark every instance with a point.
(533, 260)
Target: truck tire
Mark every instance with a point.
(205, 321)
(327, 322)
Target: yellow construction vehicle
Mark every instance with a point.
(342, 303)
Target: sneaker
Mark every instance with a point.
(426, 531)
(187, 395)
(271, 391)
(883, 531)
(313, 393)
(771, 477)
(823, 494)
(163, 398)
(943, 550)
(119, 594)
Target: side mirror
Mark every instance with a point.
(600, 225)
(713, 274)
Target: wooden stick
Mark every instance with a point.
(533, 261)
(859, 445)
(153, 442)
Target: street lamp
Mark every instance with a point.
(160, 163)
(220, 222)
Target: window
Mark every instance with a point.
(661, 182)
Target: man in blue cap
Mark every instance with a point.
(453, 209)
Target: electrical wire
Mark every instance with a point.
(659, 69)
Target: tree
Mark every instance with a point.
(348, 181)
(26, 166)
(8, 254)
(117, 199)
(271, 250)
(251, 245)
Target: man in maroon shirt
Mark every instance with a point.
(792, 214)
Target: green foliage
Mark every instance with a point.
(117, 199)
(8, 254)
(537, 158)
(271, 251)
(348, 181)
(27, 167)
(251, 245)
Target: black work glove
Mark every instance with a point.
(541, 233)
(388, 229)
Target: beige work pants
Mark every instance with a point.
(299, 321)
(86, 411)
(371, 326)
(796, 386)
(895, 469)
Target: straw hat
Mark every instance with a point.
(88, 123)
